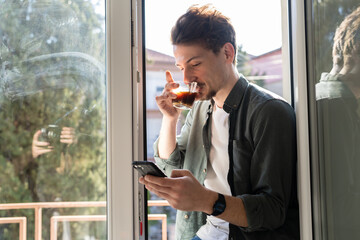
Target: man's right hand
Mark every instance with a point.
(164, 101)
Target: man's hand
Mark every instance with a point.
(348, 66)
(351, 69)
(182, 191)
(185, 193)
(68, 135)
(40, 147)
(164, 101)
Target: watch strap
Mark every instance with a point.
(219, 205)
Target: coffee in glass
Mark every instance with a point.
(186, 94)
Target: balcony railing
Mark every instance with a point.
(38, 207)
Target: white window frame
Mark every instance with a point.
(298, 48)
(124, 106)
(119, 120)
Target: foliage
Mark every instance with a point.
(243, 66)
(242, 59)
(52, 73)
(328, 14)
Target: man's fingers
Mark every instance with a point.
(36, 135)
(41, 144)
(165, 96)
(180, 173)
(66, 136)
(160, 181)
(170, 86)
(157, 188)
(69, 129)
(157, 185)
(39, 151)
(169, 77)
(42, 151)
(67, 140)
(160, 194)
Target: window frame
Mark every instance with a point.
(120, 200)
(295, 91)
(300, 95)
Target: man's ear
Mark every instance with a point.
(229, 52)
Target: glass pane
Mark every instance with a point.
(335, 74)
(259, 60)
(52, 119)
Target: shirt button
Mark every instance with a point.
(186, 216)
(204, 170)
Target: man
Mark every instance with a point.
(337, 95)
(233, 166)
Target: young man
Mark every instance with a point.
(233, 166)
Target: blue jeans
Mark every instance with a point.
(196, 238)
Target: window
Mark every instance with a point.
(335, 118)
(53, 119)
(260, 60)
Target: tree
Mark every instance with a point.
(52, 75)
(242, 59)
(243, 66)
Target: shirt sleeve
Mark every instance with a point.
(176, 158)
(273, 166)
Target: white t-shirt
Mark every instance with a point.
(216, 178)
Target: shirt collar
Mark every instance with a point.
(235, 96)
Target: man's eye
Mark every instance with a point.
(196, 64)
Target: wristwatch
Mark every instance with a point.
(219, 205)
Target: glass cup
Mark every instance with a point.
(186, 94)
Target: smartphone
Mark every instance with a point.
(146, 167)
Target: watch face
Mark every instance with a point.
(219, 207)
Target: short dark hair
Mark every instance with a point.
(204, 25)
(347, 37)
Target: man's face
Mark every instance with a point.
(202, 66)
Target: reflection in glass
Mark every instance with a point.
(52, 118)
(337, 96)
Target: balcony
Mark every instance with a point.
(38, 208)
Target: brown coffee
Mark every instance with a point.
(184, 100)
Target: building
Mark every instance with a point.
(266, 70)
(156, 65)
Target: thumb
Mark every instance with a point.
(36, 135)
(180, 173)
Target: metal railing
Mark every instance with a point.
(161, 217)
(84, 218)
(38, 207)
(22, 224)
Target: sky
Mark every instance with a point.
(257, 22)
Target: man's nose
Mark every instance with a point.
(188, 76)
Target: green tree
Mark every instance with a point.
(242, 59)
(52, 55)
(243, 66)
